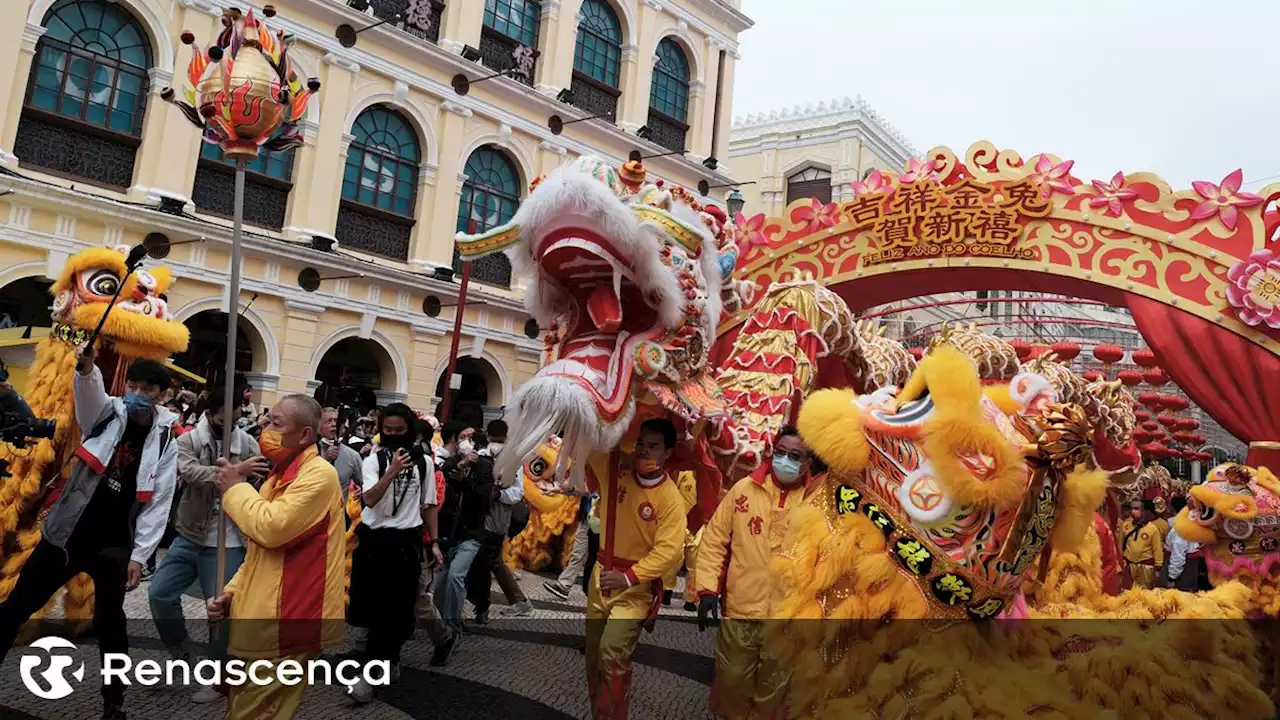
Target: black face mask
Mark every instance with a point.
(216, 429)
(396, 442)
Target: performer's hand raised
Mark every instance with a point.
(708, 610)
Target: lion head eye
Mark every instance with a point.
(103, 283)
(538, 466)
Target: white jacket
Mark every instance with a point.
(157, 472)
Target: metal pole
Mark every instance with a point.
(443, 414)
(233, 322)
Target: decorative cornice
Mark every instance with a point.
(31, 35)
(426, 331)
(550, 7)
(553, 148)
(303, 306)
(309, 128)
(655, 4)
(696, 87)
(789, 121)
(340, 61)
(457, 108)
(160, 79)
(204, 6)
(426, 173)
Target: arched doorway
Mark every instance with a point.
(206, 353)
(26, 303)
(479, 399)
(352, 371)
(1185, 264)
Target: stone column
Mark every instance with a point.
(19, 42)
(422, 367)
(420, 240)
(318, 167)
(297, 374)
(312, 386)
(491, 413)
(265, 387)
(721, 150)
(638, 73)
(557, 37)
(461, 25)
(443, 218)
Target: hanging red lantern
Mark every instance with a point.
(1145, 358)
(1189, 454)
(1151, 426)
(1094, 376)
(1066, 350)
(1141, 436)
(1141, 415)
(1189, 423)
(1108, 354)
(1150, 399)
(1167, 420)
(1177, 403)
(1129, 377)
(1155, 377)
(1022, 347)
(916, 352)
(1183, 436)
(1155, 449)
(1204, 456)
(1197, 439)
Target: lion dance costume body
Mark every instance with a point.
(140, 326)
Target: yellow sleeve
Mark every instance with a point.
(713, 550)
(1157, 547)
(668, 544)
(275, 523)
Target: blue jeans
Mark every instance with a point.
(449, 587)
(183, 564)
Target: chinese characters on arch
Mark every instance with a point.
(922, 219)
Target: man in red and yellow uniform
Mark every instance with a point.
(287, 601)
(734, 571)
(642, 530)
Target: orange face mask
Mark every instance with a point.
(647, 467)
(271, 444)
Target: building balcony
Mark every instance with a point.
(426, 27)
(667, 131)
(265, 199)
(594, 97)
(498, 53)
(374, 231)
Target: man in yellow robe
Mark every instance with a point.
(287, 600)
(1144, 548)
(735, 573)
(642, 531)
(687, 482)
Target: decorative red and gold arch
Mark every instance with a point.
(1198, 268)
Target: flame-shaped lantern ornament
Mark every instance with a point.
(244, 92)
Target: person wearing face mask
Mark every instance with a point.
(488, 563)
(642, 530)
(193, 555)
(469, 491)
(128, 456)
(734, 571)
(286, 602)
(399, 495)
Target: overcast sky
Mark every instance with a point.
(1181, 88)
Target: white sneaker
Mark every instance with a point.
(524, 608)
(361, 692)
(205, 695)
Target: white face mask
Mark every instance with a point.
(495, 448)
(466, 446)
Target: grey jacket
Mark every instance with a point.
(197, 466)
(350, 466)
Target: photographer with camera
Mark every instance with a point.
(399, 496)
(128, 455)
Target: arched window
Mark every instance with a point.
(268, 180)
(490, 197)
(597, 59)
(508, 26)
(379, 184)
(82, 115)
(811, 182)
(669, 96)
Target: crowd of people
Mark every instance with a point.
(1155, 555)
(433, 519)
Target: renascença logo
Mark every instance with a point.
(54, 676)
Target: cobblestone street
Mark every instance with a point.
(529, 668)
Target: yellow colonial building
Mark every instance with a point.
(396, 161)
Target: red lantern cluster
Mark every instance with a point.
(1175, 403)
(1129, 377)
(1141, 415)
(1150, 399)
(1093, 376)
(1066, 350)
(1188, 424)
(1167, 420)
(1151, 426)
(1108, 354)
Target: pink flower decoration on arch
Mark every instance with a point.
(1052, 178)
(750, 230)
(818, 215)
(918, 169)
(1112, 195)
(1253, 289)
(874, 183)
(1222, 200)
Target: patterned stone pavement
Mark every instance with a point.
(528, 668)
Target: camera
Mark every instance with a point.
(18, 424)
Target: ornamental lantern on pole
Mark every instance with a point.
(244, 96)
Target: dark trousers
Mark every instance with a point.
(478, 578)
(49, 568)
(385, 569)
(593, 550)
